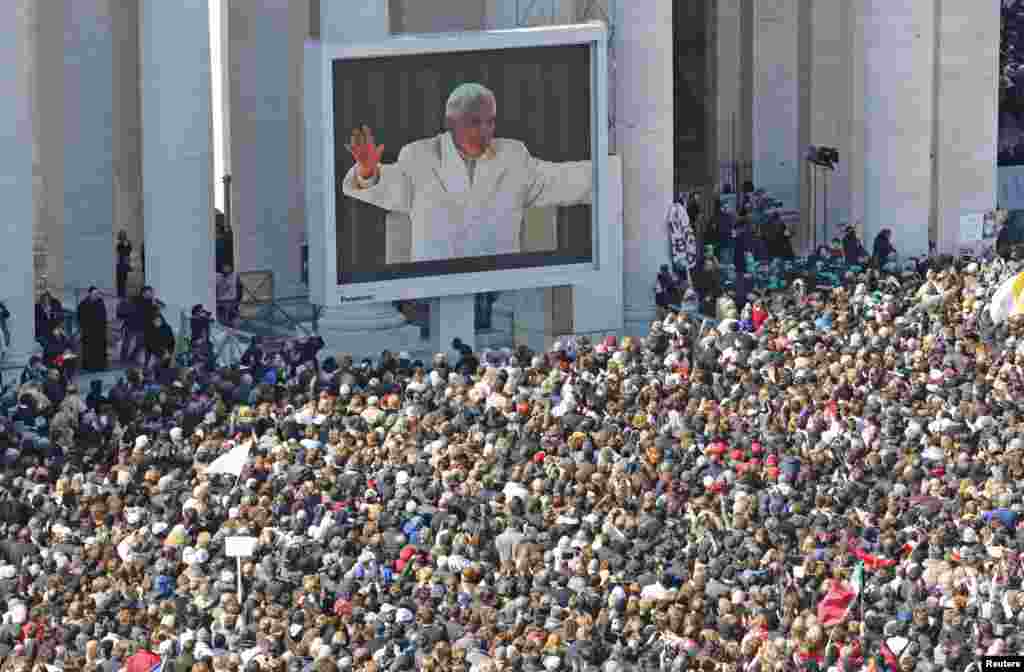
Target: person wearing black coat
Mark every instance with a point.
(708, 283)
(254, 358)
(778, 238)
(853, 249)
(49, 315)
(145, 308)
(92, 322)
(58, 343)
(159, 340)
(124, 264)
(883, 248)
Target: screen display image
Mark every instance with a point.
(462, 162)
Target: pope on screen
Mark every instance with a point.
(465, 191)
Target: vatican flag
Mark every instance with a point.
(1008, 300)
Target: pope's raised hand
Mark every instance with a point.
(364, 151)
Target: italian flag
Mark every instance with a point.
(872, 561)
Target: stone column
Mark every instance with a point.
(644, 118)
(777, 151)
(17, 69)
(360, 329)
(49, 134)
(128, 209)
(853, 17)
(298, 33)
(830, 105)
(729, 62)
(899, 104)
(89, 146)
(177, 157)
(967, 100)
(261, 76)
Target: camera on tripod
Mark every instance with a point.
(826, 157)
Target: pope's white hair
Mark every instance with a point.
(464, 98)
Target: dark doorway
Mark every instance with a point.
(695, 93)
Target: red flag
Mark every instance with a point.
(832, 608)
(891, 662)
(872, 561)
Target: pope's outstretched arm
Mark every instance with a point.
(567, 183)
(386, 186)
(390, 188)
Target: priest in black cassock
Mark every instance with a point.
(92, 321)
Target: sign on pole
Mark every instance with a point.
(240, 547)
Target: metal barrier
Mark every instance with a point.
(225, 346)
(269, 306)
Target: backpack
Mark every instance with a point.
(412, 527)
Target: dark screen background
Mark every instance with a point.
(543, 96)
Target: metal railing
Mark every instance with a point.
(271, 311)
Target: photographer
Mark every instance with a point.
(138, 323)
(159, 342)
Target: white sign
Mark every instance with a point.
(972, 227)
(239, 547)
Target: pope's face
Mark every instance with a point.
(474, 131)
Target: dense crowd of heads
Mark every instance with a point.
(700, 498)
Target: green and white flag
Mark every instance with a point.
(857, 580)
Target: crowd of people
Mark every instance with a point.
(829, 482)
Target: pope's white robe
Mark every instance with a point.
(453, 216)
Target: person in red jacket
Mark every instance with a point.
(758, 315)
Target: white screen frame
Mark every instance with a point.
(321, 193)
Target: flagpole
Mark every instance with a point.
(863, 648)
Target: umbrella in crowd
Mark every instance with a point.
(836, 485)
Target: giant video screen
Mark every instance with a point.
(462, 162)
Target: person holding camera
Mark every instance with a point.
(159, 342)
(138, 322)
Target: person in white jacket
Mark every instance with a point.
(464, 191)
